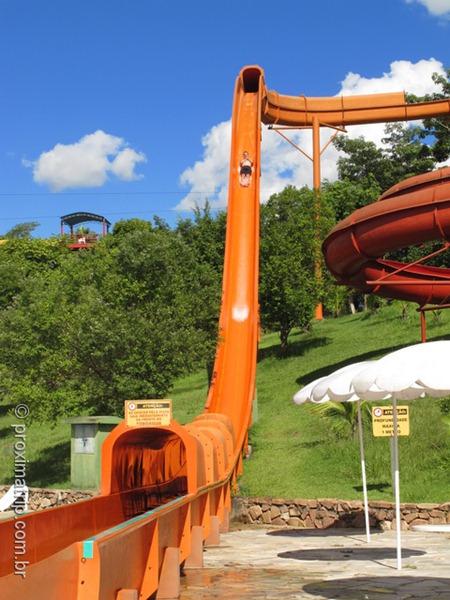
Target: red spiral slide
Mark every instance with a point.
(410, 213)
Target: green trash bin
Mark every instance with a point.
(86, 439)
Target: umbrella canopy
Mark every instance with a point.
(411, 372)
(337, 387)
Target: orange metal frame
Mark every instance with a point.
(122, 545)
(315, 159)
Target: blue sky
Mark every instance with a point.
(157, 76)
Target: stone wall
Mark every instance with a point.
(327, 512)
(40, 498)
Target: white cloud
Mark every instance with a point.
(207, 177)
(281, 163)
(438, 8)
(86, 163)
(125, 162)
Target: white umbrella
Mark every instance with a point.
(338, 387)
(411, 372)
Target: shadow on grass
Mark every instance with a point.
(298, 348)
(5, 409)
(324, 371)
(311, 444)
(51, 466)
(379, 487)
(6, 432)
(372, 354)
(190, 388)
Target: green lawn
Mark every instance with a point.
(295, 453)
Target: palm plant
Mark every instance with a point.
(342, 416)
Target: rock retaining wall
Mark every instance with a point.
(40, 498)
(325, 512)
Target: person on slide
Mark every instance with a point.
(245, 170)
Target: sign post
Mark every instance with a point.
(392, 421)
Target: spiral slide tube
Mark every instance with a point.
(412, 212)
(166, 490)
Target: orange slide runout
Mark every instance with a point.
(166, 491)
(410, 213)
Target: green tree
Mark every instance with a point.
(21, 230)
(402, 155)
(342, 416)
(126, 226)
(344, 196)
(290, 232)
(205, 235)
(437, 129)
(365, 163)
(21, 258)
(120, 321)
(406, 153)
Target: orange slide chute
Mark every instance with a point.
(166, 490)
(412, 212)
(347, 110)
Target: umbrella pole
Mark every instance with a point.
(391, 441)
(397, 487)
(363, 472)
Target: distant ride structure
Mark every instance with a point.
(166, 490)
(83, 237)
(411, 213)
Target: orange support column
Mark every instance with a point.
(225, 525)
(169, 579)
(195, 559)
(423, 326)
(128, 595)
(214, 535)
(316, 186)
(151, 576)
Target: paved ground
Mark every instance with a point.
(328, 564)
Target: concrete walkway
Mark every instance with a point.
(293, 564)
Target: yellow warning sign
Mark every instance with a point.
(148, 413)
(383, 421)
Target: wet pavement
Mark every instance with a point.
(297, 564)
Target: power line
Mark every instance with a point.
(148, 193)
(133, 212)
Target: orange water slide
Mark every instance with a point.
(412, 212)
(233, 386)
(346, 110)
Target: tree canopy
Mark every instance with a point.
(21, 230)
(90, 329)
(290, 232)
(402, 155)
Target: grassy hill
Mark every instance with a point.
(295, 452)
